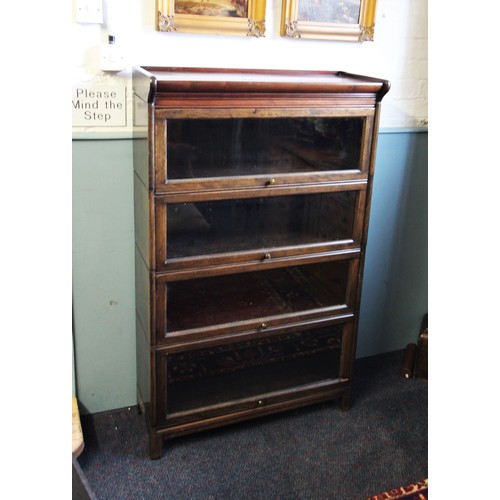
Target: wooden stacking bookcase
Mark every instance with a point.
(252, 194)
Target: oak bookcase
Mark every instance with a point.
(252, 194)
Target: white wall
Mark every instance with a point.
(398, 53)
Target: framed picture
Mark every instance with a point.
(348, 20)
(226, 17)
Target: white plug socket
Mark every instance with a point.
(89, 11)
(112, 58)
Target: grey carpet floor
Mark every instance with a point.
(318, 452)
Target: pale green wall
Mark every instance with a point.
(394, 297)
(103, 274)
(395, 282)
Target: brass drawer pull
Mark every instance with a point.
(263, 326)
(270, 182)
(267, 256)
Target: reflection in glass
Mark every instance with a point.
(332, 11)
(205, 228)
(260, 294)
(253, 146)
(239, 370)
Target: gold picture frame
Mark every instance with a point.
(346, 20)
(226, 17)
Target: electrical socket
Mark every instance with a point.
(89, 11)
(112, 58)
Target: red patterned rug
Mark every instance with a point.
(417, 491)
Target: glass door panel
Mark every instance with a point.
(205, 148)
(212, 227)
(206, 302)
(205, 378)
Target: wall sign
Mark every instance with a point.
(99, 106)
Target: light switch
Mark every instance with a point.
(89, 11)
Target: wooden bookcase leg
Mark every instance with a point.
(155, 446)
(346, 401)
